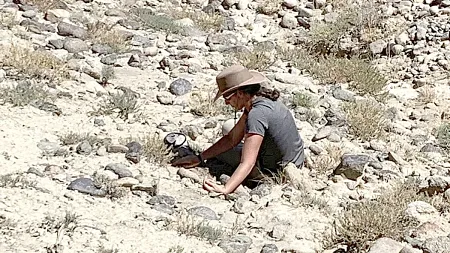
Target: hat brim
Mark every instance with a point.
(256, 78)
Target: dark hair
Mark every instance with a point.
(261, 91)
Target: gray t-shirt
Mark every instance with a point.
(282, 143)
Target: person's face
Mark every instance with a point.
(234, 100)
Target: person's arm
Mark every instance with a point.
(249, 156)
(227, 142)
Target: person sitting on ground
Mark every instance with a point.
(265, 138)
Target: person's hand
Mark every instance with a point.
(187, 161)
(210, 186)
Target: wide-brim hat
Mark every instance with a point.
(235, 77)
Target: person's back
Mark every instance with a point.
(282, 143)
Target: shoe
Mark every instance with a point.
(175, 140)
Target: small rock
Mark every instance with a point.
(74, 45)
(269, 248)
(66, 29)
(344, 95)
(261, 190)
(420, 210)
(101, 151)
(87, 186)
(180, 87)
(378, 46)
(290, 3)
(315, 149)
(151, 189)
(289, 20)
(35, 171)
(117, 149)
(99, 122)
(127, 181)
(279, 231)
(165, 98)
(134, 157)
(120, 169)
(236, 244)
(84, 148)
(182, 172)
(352, 166)
(323, 133)
(151, 51)
(204, 212)
(162, 199)
(384, 245)
(437, 245)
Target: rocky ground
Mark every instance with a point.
(90, 88)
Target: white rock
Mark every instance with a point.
(420, 210)
(230, 3)
(201, 3)
(397, 49)
(384, 245)
(289, 21)
(2, 75)
(377, 46)
(290, 3)
(402, 39)
(243, 4)
(151, 51)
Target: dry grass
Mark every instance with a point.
(34, 64)
(8, 20)
(123, 103)
(202, 104)
(427, 95)
(443, 136)
(112, 189)
(260, 58)
(200, 228)
(24, 94)
(366, 119)
(45, 5)
(156, 150)
(327, 162)
(206, 22)
(107, 74)
(104, 34)
(364, 222)
(16, 180)
(156, 22)
(269, 7)
(72, 138)
(302, 99)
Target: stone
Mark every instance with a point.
(127, 181)
(74, 45)
(289, 20)
(435, 184)
(420, 210)
(204, 212)
(87, 186)
(117, 149)
(269, 248)
(236, 244)
(84, 148)
(290, 3)
(162, 199)
(185, 173)
(384, 245)
(180, 87)
(66, 29)
(120, 169)
(323, 133)
(378, 46)
(344, 95)
(352, 166)
(261, 190)
(437, 245)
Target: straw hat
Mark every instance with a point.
(234, 77)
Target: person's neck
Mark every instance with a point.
(249, 104)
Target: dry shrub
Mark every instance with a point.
(158, 22)
(112, 189)
(325, 163)
(72, 138)
(302, 99)
(123, 103)
(443, 136)
(33, 63)
(427, 95)
(206, 22)
(202, 104)
(365, 222)
(104, 34)
(366, 119)
(156, 150)
(8, 20)
(24, 94)
(260, 58)
(191, 226)
(16, 180)
(45, 5)
(269, 7)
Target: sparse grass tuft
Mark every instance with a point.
(366, 119)
(33, 63)
(269, 7)
(206, 22)
(72, 138)
(443, 136)
(302, 99)
(16, 180)
(102, 249)
(104, 34)
(260, 58)
(6, 225)
(24, 94)
(427, 95)
(8, 20)
(123, 103)
(108, 73)
(203, 105)
(157, 22)
(45, 5)
(156, 150)
(190, 226)
(176, 249)
(364, 222)
(112, 189)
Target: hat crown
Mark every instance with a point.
(232, 77)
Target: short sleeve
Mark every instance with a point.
(256, 122)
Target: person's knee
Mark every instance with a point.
(227, 126)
